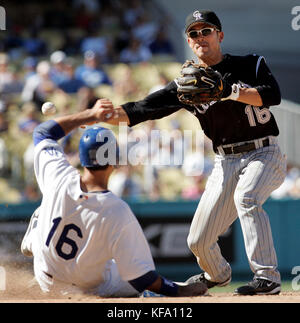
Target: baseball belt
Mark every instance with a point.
(244, 148)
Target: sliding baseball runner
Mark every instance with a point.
(83, 238)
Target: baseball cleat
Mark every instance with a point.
(210, 284)
(259, 287)
(26, 242)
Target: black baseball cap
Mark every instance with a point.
(206, 16)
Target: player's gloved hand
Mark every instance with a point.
(199, 84)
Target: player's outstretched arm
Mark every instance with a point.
(107, 112)
(184, 290)
(153, 282)
(59, 127)
(157, 105)
(102, 111)
(116, 115)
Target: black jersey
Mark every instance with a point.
(224, 122)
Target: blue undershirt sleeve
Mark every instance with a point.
(141, 283)
(168, 288)
(47, 130)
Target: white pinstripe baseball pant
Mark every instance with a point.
(238, 187)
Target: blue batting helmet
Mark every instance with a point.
(98, 147)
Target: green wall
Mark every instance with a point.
(166, 218)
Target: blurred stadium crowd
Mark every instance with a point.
(74, 52)
(116, 30)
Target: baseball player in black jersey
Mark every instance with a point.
(248, 164)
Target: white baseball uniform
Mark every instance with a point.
(90, 241)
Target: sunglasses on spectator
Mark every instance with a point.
(203, 32)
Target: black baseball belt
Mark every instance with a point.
(244, 148)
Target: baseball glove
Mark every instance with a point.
(198, 84)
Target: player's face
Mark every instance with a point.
(205, 44)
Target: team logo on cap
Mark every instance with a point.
(197, 15)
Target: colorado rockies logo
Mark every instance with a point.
(197, 15)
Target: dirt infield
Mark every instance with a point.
(21, 288)
(214, 298)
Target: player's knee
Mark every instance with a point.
(196, 242)
(192, 242)
(245, 201)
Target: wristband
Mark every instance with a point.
(235, 93)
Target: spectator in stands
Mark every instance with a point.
(110, 17)
(6, 76)
(82, 17)
(170, 153)
(121, 41)
(195, 188)
(132, 12)
(161, 45)
(3, 157)
(90, 72)
(70, 43)
(39, 86)
(90, 6)
(125, 183)
(135, 52)
(163, 81)
(3, 121)
(95, 43)
(71, 84)
(12, 42)
(86, 98)
(29, 118)
(57, 71)
(288, 187)
(29, 67)
(28, 164)
(71, 151)
(9, 79)
(145, 30)
(295, 190)
(196, 168)
(150, 174)
(125, 85)
(33, 45)
(31, 193)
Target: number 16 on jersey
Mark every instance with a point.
(64, 239)
(263, 115)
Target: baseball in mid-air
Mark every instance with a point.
(48, 108)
